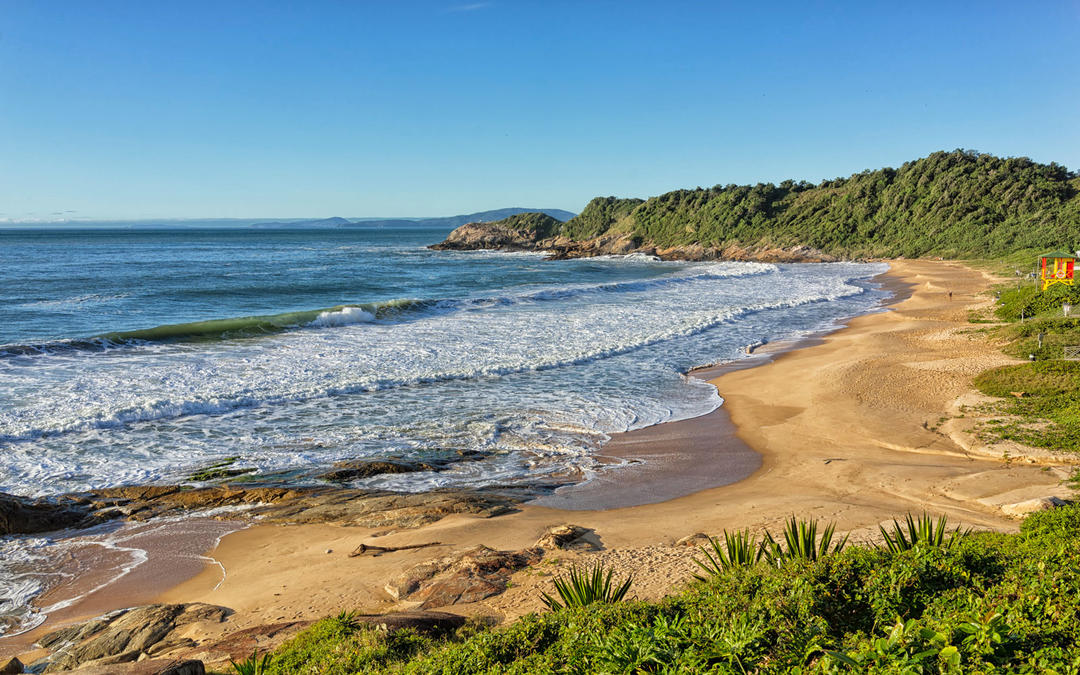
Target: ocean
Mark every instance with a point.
(142, 355)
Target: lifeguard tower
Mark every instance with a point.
(1056, 268)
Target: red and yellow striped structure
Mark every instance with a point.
(1056, 268)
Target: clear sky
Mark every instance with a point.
(148, 108)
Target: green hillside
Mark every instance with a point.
(959, 204)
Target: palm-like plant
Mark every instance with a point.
(801, 541)
(922, 532)
(252, 665)
(739, 548)
(586, 586)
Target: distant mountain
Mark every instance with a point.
(449, 222)
(322, 222)
(457, 221)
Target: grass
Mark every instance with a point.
(988, 603)
(1048, 413)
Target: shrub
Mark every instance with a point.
(585, 587)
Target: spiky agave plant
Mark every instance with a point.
(252, 665)
(738, 549)
(802, 542)
(586, 586)
(922, 532)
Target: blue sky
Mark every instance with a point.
(155, 109)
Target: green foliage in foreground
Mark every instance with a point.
(1048, 414)
(991, 603)
(959, 204)
(586, 587)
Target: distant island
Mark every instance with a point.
(959, 204)
(558, 215)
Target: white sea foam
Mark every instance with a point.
(345, 316)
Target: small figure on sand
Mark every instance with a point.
(950, 296)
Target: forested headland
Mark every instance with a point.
(959, 204)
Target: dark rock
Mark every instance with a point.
(466, 576)
(21, 515)
(419, 620)
(364, 468)
(189, 667)
(12, 667)
(146, 667)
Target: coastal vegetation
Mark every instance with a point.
(959, 204)
(981, 603)
(1038, 402)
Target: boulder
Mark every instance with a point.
(569, 537)
(22, 515)
(364, 468)
(1032, 505)
(124, 636)
(466, 576)
(12, 667)
(696, 539)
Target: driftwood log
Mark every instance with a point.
(369, 549)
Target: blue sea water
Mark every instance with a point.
(352, 343)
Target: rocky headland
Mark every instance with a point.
(538, 232)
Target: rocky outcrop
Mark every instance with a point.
(1024, 508)
(126, 636)
(504, 237)
(367, 508)
(12, 667)
(365, 468)
(521, 232)
(20, 515)
(466, 576)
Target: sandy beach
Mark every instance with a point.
(848, 429)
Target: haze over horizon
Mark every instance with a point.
(118, 111)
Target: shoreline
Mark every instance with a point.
(682, 457)
(862, 456)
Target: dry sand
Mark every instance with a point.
(845, 432)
